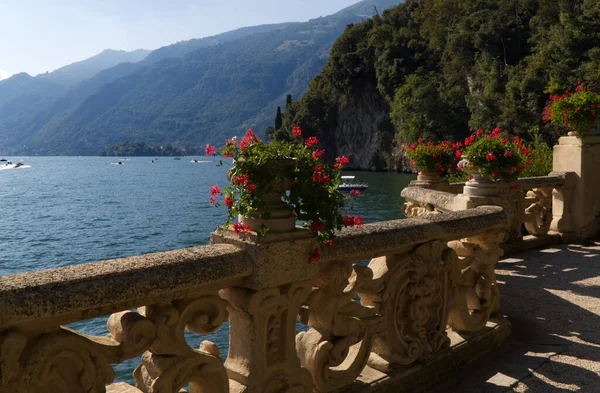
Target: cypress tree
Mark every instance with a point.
(278, 119)
(288, 101)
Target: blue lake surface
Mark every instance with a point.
(67, 210)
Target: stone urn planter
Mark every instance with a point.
(481, 184)
(274, 185)
(275, 215)
(430, 179)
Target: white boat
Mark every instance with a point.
(10, 165)
(349, 184)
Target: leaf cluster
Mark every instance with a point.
(494, 154)
(575, 111)
(266, 170)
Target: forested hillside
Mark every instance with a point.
(187, 94)
(440, 68)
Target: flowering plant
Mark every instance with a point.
(260, 169)
(574, 111)
(440, 158)
(494, 154)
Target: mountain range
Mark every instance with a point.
(186, 94)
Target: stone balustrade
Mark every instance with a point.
(529, 202)
(426, 302)
(566, 202)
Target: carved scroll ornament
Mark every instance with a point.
(475, 295)
(413, 297)
(337, 346)
(64, 361)
(170, 363)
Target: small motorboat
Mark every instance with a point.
(177, 158)
(349, 184)
(3, 160)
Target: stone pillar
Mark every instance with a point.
(580, 155)
(263, 311)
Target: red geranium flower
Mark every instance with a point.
(296, 131)
(318, 154)
(239, 227)
(316, 226)
(311, 141)
(209, 150)
(315, 256)
(228, 201)
(354, 193)
(214, 190)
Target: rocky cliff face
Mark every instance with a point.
(364, 132)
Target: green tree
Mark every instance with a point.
(278, 119)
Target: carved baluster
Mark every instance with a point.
(170, 363)
(562, 216)
(64, 361)
(475, 295)
(538, 214)
(262, 354)
(337, 347)
(412, 292)
(414, 209)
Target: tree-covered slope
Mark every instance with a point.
(440, 68)
(231, 82)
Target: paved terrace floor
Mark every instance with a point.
(552, 298)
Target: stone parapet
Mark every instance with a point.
(428, 279)
(528, 203)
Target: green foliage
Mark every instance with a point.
(263, 168)
(501, 157)
(436, 157)
(575, 111)
(278, 119)
(540, 156)
(445, 67)
(128, 149)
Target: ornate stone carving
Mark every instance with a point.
(170, 363)
(337, 346)
(414, 209)
(413, 296)
(64, 361)
(475, 294)
(538, 214)
(262, 356)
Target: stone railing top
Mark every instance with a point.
(72, 293)
(103, 287)
(552, 180)
(385, 238)
(441, 200)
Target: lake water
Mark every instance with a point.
(67, 210)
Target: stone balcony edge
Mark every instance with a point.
(103, 287)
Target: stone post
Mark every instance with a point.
(263, 312)
(576, 207)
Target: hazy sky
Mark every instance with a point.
(41, 35)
